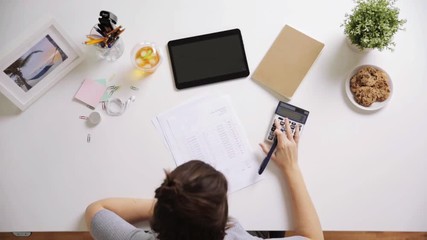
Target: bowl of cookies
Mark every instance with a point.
(369, 87)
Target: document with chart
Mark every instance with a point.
(207, 128)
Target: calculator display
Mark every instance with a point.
(291, 114)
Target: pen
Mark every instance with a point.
(267, 158)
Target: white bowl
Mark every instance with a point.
(375, 105)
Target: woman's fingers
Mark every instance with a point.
(297, 132)
(266, 149)
(289, 134)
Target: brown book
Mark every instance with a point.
(287, 61)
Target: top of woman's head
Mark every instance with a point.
(191, 203)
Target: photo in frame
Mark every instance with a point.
(37, 63)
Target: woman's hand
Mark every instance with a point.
(306, 221)
(286, 154)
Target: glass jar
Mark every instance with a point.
(108, 53)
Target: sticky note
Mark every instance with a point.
(91, 92)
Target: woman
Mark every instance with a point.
(191, 203)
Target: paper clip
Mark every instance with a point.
(112, 89)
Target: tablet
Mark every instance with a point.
(208, 58)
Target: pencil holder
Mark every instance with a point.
(112, 53)
(108, 52)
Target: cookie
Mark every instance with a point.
(369, 85)
(354, 84)
(383, 90)
(368, 80)
(365, 96)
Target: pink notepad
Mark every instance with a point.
(91, 92)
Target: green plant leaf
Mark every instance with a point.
(373, 23)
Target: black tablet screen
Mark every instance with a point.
(208, 58)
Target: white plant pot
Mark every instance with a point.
(356, 48)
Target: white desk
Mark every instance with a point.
(364, 171)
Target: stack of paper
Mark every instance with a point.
(208, 129)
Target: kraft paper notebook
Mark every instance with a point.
(287, 61)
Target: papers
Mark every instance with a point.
(208, 129)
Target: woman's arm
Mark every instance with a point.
(130, 209)
(306, 221)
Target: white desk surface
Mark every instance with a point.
(364, 171)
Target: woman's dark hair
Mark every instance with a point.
(191, 204)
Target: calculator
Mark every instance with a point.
(296, 116)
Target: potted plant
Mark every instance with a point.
(372, 24)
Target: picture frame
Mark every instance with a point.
(37, 63)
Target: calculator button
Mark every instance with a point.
(282, 123)
(280, 118)
(273, 128)
(282, 129)
(293, 123)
